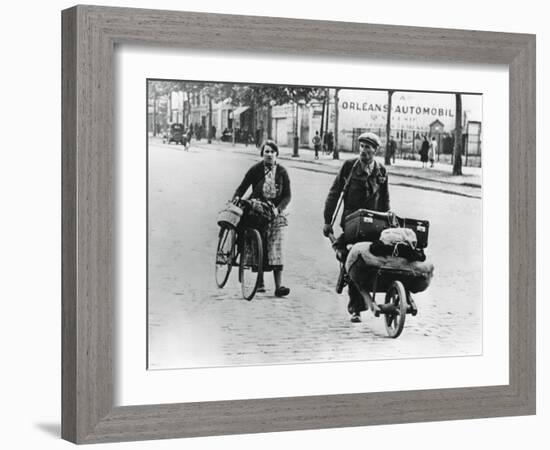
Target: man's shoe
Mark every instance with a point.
(282, 291)
(355, 317)
(261, 288)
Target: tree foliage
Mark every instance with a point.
(158, 89)
(239, 94)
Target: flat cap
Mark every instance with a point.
(370, 138)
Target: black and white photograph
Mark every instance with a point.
(218, 214)
(307, 224)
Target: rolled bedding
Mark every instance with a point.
(362, 265)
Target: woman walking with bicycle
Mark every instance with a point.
(270, 185)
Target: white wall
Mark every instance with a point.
(30, 225)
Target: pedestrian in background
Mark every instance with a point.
(417, 145)
(432, 152)
(330, 142)
(392, 148)
(424, 151)
(316, 144)
(258, 137)
(188, 138)
(270, 183)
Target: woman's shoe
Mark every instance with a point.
(282, 291)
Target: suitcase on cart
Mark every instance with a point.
(420, 227)
(365, 225)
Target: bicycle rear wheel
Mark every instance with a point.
(224, 255)
(251, 262)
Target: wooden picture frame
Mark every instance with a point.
(90, 34)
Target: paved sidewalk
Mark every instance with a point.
(408, 173)
(440, 172)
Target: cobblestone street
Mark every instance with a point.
(192, 323)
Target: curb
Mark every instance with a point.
(331, 170)
(397, 173)
(398, 183)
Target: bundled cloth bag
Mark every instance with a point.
(394, 236)
(362, 265)
(398, 242)
(259, 215)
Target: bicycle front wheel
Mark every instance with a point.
(224, 255)
(251, 263)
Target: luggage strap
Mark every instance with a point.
(343, 193)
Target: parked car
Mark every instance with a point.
(177, 134)
(227, 135)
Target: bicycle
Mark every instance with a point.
(241, 246)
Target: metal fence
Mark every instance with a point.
(409, 143)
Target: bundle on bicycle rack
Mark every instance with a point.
(250, 213)
(230, 216)
(257, 215)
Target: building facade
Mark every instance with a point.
(413, 116)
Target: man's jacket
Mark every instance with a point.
(363, 192)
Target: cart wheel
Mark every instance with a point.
(395, 321)
(251, 262)
(224, 255)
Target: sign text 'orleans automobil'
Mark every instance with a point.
(398, 109)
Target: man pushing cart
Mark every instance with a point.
(378, 251)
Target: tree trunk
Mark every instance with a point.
(336, 153)
(170, 118)
(155, 118)
(189, 108)
(185, 114)
(322, 130)
(387, 155)
(296, 119)
(327, 112)
(269, 121)
(209, 119)
(295, 138)
(457, 151)
(254, 123)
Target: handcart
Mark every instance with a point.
(394, 276)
